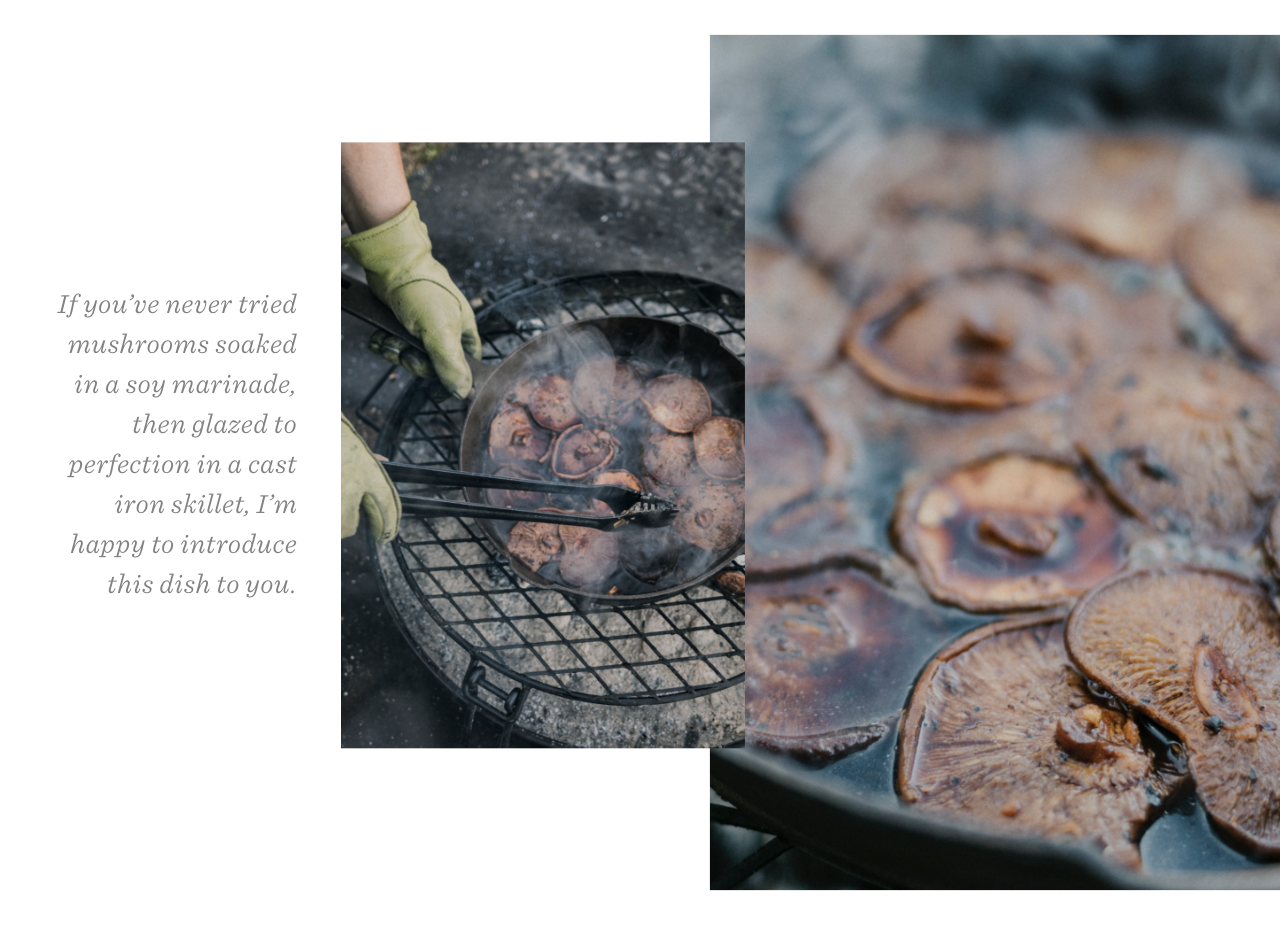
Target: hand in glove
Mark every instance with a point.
(397, 257)
(366, 487)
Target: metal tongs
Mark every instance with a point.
(630, 508)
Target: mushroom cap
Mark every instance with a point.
(786, 451)
(551, 404)
(1231, 258)
(1198, 651)
(579, 452)
(605, 389)
(1184, 441)
(791, 311)
(838, 205)
(670, 461)
(521, 500)
(534, 544)
(711, 516)
(1125, 195)
(590, 556)
(1009, 533)
(514, 438)
(677, 402)
(619, 477)
(1001, 730)
(718, 445)
(829, 655)
(980, 339)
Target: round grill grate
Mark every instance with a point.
(685, 646)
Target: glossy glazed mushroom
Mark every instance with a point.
(521, 500)
(1001, 731)
(514, 438)
(670, 462)
(1009, 533)
(605, 389)
(677, 402)
(551, 404)
(1188, 443)
(1231, 259)
(589, 558)
(534, 544)
(1198, 651)
(711, 516)
(830, 656)
(786, 452)
(979, 339)
(579, 452)
(791, 311)
(718, 446)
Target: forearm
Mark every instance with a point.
(373, 185)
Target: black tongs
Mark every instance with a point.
(630, 508)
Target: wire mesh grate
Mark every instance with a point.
(683, 646)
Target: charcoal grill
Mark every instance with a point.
(560, 668)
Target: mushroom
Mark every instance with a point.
(1186, 442)
(718, 445)
(1001, 730)
(507, 497)
(838, 205)
(985, 338)
(1198, 651)
(791, 311)
(550, 402)
(785, 450)
(534, 544)
(605, 389)
(1231, 259)
(670, 461)
(829, 656)
(579, 452)
(590, 556)
(677, 402)
(710, 517)
(618, 477)
(1009, 533)
(1125, 195)
(514, 438)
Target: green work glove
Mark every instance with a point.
(397, 257)
(366, 487)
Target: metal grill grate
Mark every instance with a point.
(681, 647)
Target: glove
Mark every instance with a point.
(397, 257)
(366, 486)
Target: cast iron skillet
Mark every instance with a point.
(689, 348)
(692, 349)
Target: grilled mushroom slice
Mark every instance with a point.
(785, 450)
(677, 402)
(1009, 533)
(534, 544)
(550, 402)
(605, 389)
(1186, 442)
(514, 438)
(521, 500)
(579, 452)
(828, 656)
(710, 516)
(791, 311)
(1125, 195)
(1001, 730)
(718, 444)
(619, 477)
(669, 460)
(590, 556)
(980, 339)
(1231, 258)
(1199, 652)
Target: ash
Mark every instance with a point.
(545, 636)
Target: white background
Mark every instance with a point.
(177, 759)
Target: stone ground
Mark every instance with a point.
(496, 213)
